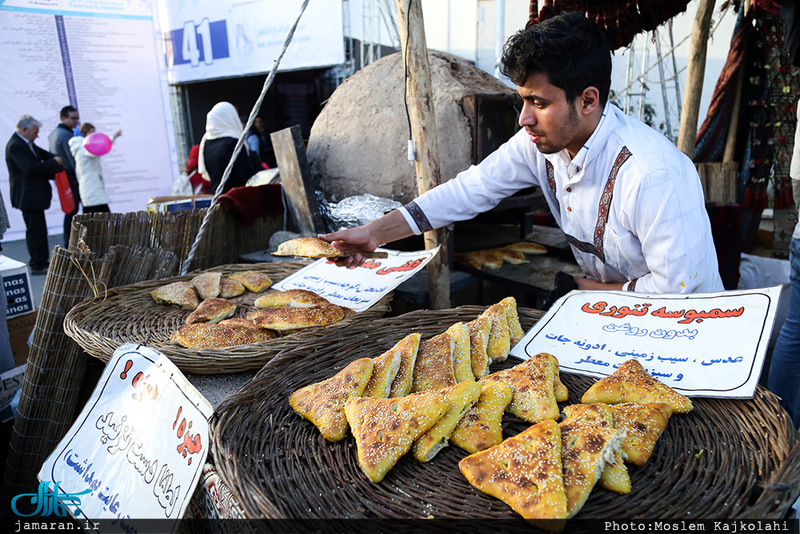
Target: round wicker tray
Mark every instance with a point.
(129, 314)
(726, 459)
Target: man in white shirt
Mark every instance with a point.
(629, 201)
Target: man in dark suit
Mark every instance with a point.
(30, 170)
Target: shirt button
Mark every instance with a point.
(569, 190)
(569, 209)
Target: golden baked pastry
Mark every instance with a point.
(407, 348)
(559, 389)
(467, 259)
(383, 374)
(299, 298)
(230, 288)
(212, 311)
(585, 450)
(434, 366)
(462, 364)
(307, 247)
(217, 336)
(499, 336)
(323, 403)
(615, 476)
(524, 472)
(207, 285)
(643, 424)
(511, 256)
(526, 247)
(488, 258)
(461, 398)
(532, 383)
(241, 321)
(515, 330)
(481, 427)
(632, 383)
(252, 280)
(285, 318)
(177, 293)
(385, 428)
(479, 330)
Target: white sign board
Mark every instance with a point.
(138, 447)
(207, 40)
(104, 59)
(705, 345)
(359, 287)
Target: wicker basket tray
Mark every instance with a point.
(725, 459)
(129, 314)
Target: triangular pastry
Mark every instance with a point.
(180, 294)
(511, 256)
(488, 258)
(615, 476)
(252, 280)
(559, 389)
(526, 247)
(481, 427)
(323, 403)
(515, 330)
(532, 384)
(467, 259)
(632, 383)
(499, 336)
(383, 374)
(230, 288)
(461, 397)
(524, 472)
(462, 364)
(434, 366)
(643, 424)
(385, 429)
(212, 310)
(407, 347)
(208, 285)
(585, 450)
(478, 342)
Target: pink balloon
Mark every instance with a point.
(97, 143)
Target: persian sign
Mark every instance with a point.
(359, 287)
(138, 448)
(706, 345)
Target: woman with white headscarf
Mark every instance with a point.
(223, 128)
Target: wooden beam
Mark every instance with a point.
(423, 132)
(296, 180)
(695, 72)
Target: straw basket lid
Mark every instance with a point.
(726, 459)
(129, 314)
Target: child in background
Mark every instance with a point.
(90, 173)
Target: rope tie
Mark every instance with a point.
(93, 283)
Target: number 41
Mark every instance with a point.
(190, 50)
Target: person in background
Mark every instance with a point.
(630, 203)
(30, 169)
(784, 368)
(200, 186)
(90, 172)
(59, 145)
(223, 129)
(265, 151)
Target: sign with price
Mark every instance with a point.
(138, 447)
(207, 40)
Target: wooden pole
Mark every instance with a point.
(423, 132)
(695, 72)
(730, 141)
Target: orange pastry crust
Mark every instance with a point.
(207, 285)
(307, 247)
(212, 311)
(180, 294)
(287, 318)
(252, 280)
(217, 336)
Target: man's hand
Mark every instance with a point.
(587, 283)
(368, 237)
(59, 160)
(358, 238)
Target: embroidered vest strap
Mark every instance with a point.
(603, 210)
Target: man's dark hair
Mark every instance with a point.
(66, 110)
(569, 48)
